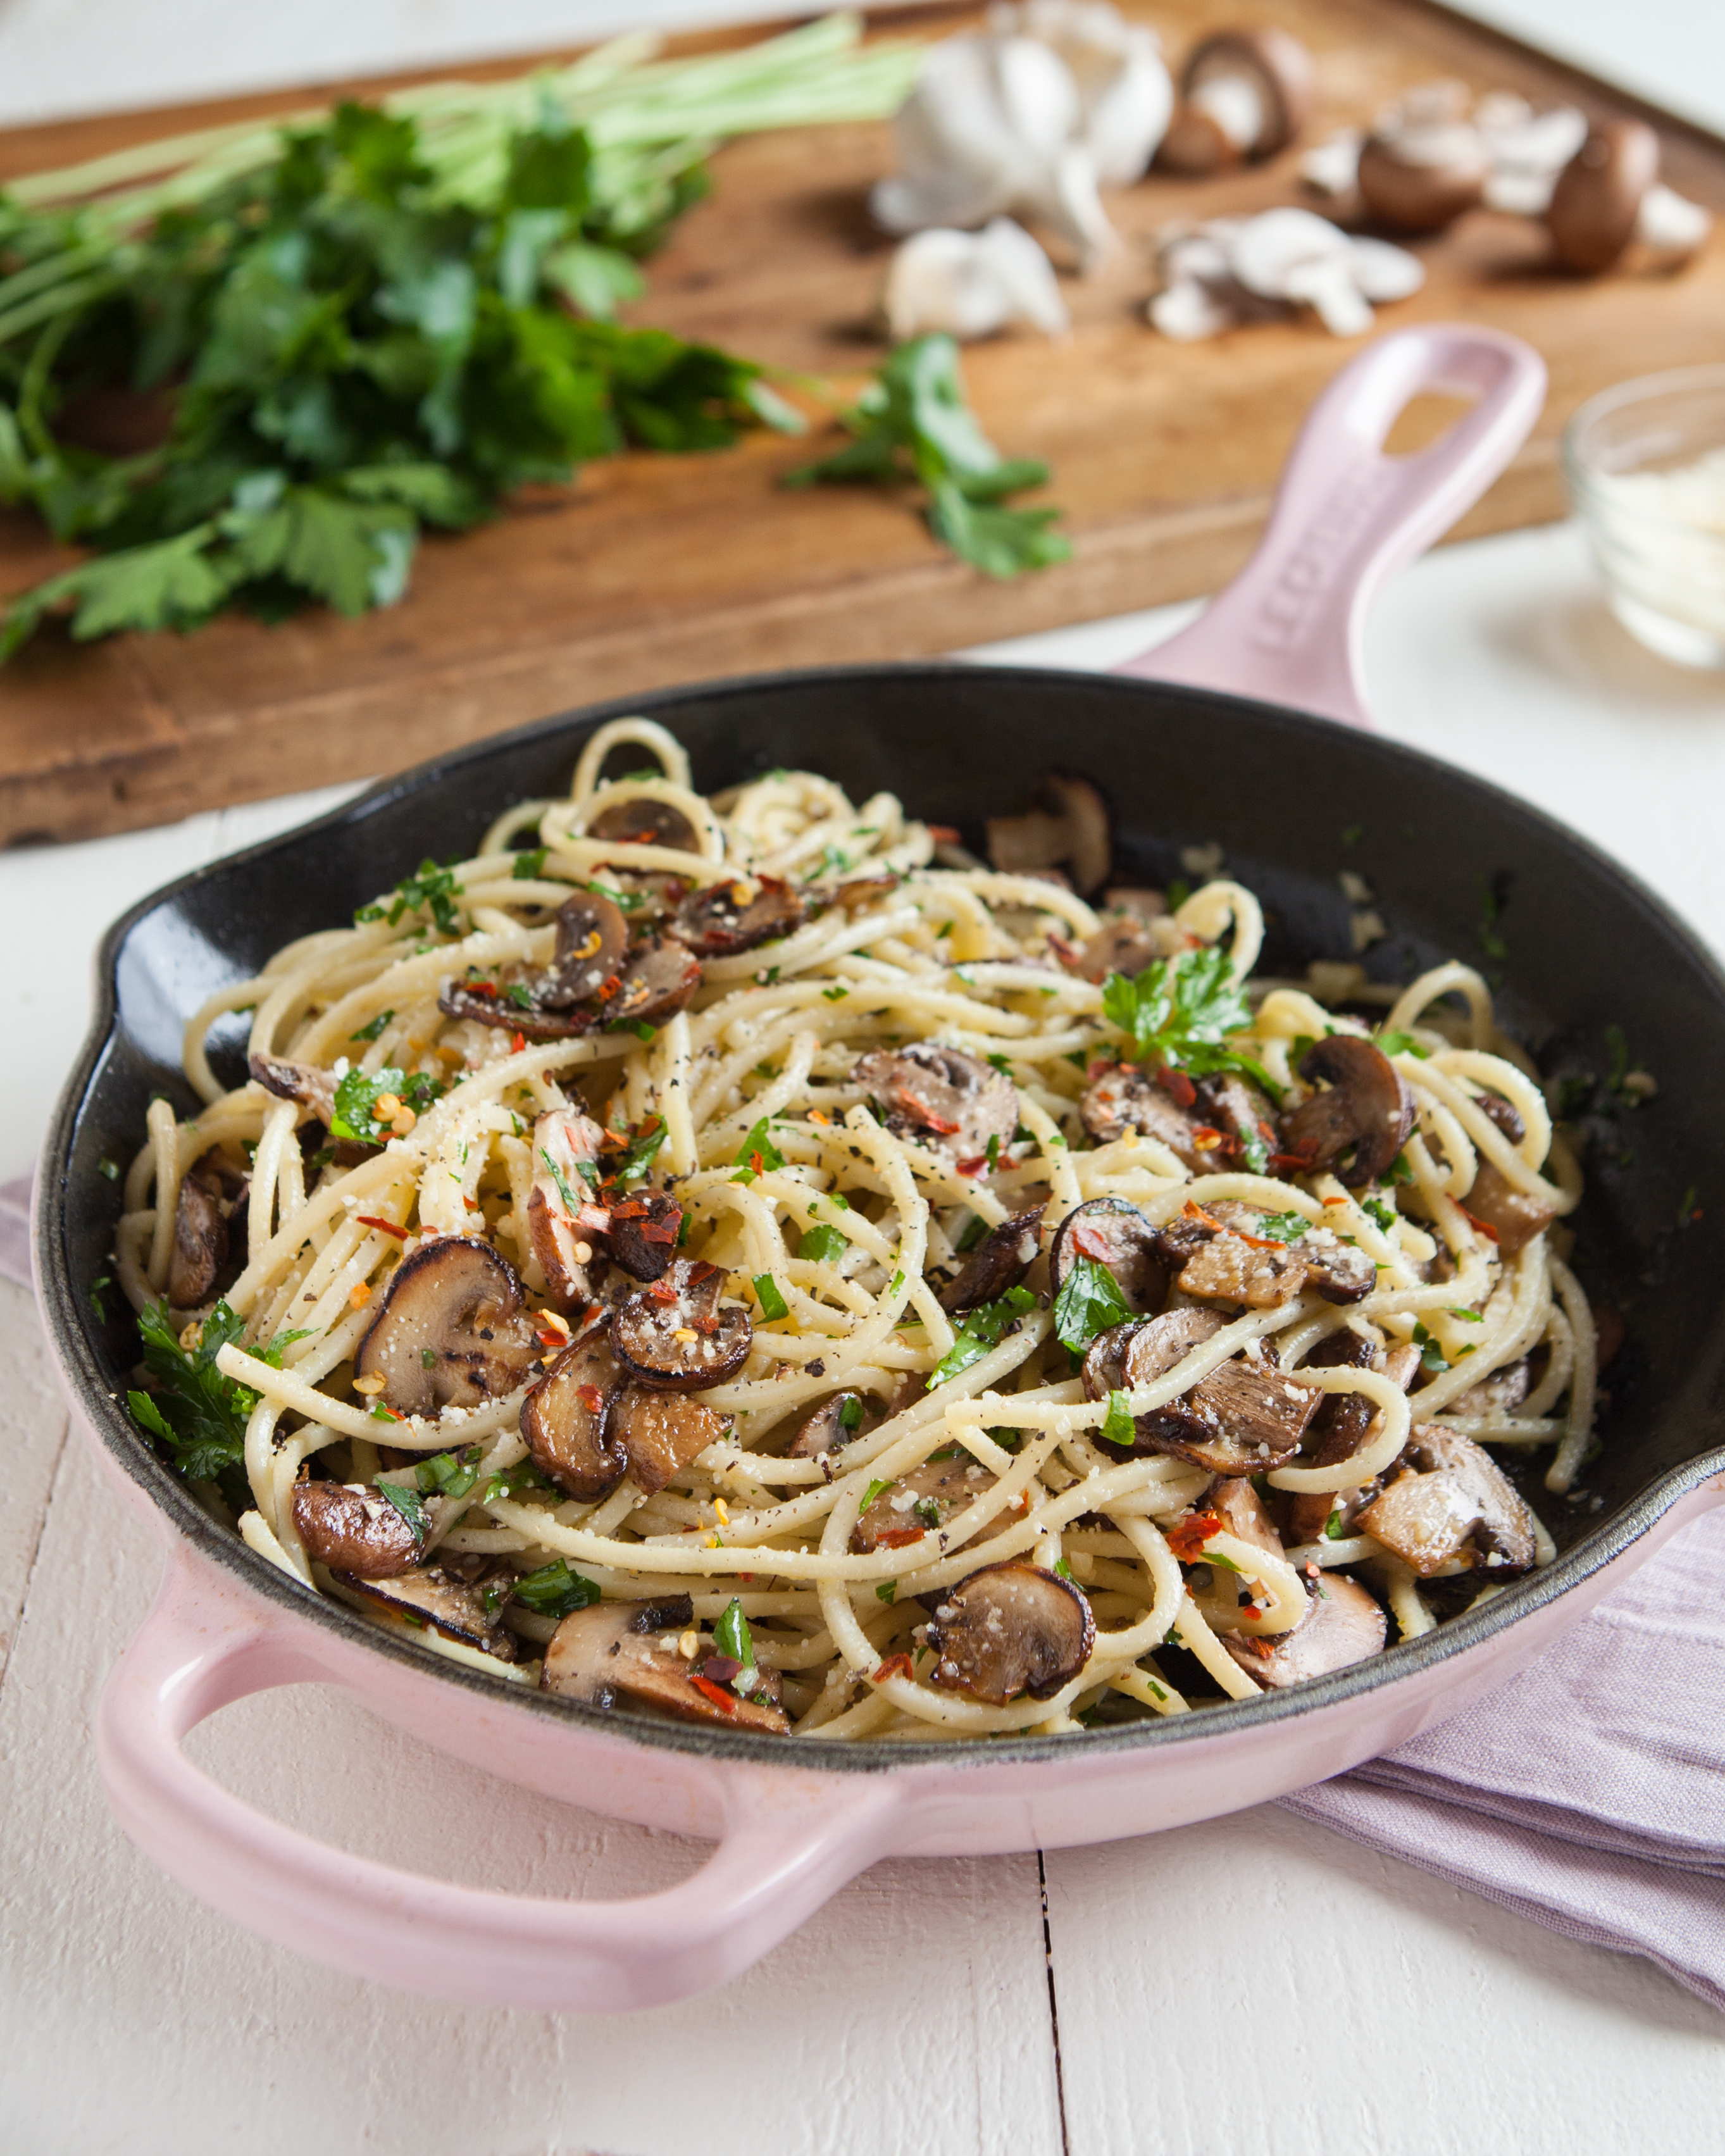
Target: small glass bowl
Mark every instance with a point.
(1644, 463)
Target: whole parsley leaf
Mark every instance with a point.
(982, 1329)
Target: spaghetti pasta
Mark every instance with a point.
(743, 1258)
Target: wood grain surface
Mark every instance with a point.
(650, 569)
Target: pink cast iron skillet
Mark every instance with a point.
(794, 1819)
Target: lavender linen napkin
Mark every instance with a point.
(1588, 1794)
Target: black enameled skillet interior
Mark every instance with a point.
(1292, 801)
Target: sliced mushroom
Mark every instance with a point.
(1244, 93)
(1504, 1114)
(1339, 1271)
(1343, 1423)
(480, 1003)
(1255, 1274)
(727, 917)
(352, 1529)
(661, 1432)
(1121, 1097)
(1067, 826)
(644, 822)
(644, 1233)
(1609, 197)
(1515, 1216)
(1424, 162)
(307, 1083)
(429, 1595)
(1168, 1340)
(566, 1154)
(1451, 1500)
(1232, 1105)
(1007, 1630)
(1239, 1508)
(1367, 1110)
(1500, 1392)
(922, 1500)
(1342, 1626)
(1244, 1416)
(1113, 1234)
(1128, 942)
(567, 1419)
(827, 1430)
(451, 1330)
(862, 892)
(998, 1262)
(676, 1335)
(617, 1648)
(200, 1247)
(659, 980)
(592, 938)
(948, 1101)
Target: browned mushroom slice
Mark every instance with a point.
(1506, 1116)
(1367, 1110)
(1167, 1340)
(1243, 1416)
(1500, 1392)
(660, 1433)
(200, 1247)
(644, 1233)
(1342, 1626)
(830, 1429)
(1340, 1271)
(1453, 1500)
(1257, 1275)
(726, 917)
(592, 938)
(644, 822)
(1008, 1630)
(307, 1083)
(1127, 942)
(451, 1330)
(616, 1649)
(998, 1262)
(862, 892)
(479, 1002)
(566, 1153)
(1122, 1098)
(1515, 1217)
(352, 1529)
(455, 1608)
(1228, 1103)
(1066, 826)
(940, 1097)
(659, 980)
(567, 1419)
(1239, 1508)
(676, 1335)
(1113, 1234)
(922, 1500)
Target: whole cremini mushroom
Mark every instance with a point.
(1243, 96)
(1424, 162)
(1609, 197)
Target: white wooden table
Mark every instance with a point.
(1249, 1985)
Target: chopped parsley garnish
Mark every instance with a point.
(850, 1414)
(96, 1302)
(1118, 1427)
(108, 1167)
(887, 1591)
(529, 864)
(519, 995)
(980, 1330)
(1335, 1529)
(555, 1591)
(1386, 1216)
(975, 1230)
(1002, 1064)
(374, 1030)
(642, 1150)
(429, 889)
(1398, 1043)
(731, 1636)
(357, 1097)
(822, 1245)
(642, 1029)
(572, 1202)
(835, 995)
(758, 1155)
(1431, 1355)
(1283, 1227)
(927, 1510)
(196, 1411)
(772, 1303)
(1089, 1302)
(1180, 1012)
(993, 1154)
(410, 1504)
(511, 1481)
(1400, 1169)
(446, 1474)
(873, 1492)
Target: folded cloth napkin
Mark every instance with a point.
(1588, 1794)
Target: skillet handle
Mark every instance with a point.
(1291, 627)
(788, 1843)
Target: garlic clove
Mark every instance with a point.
(1126, 93)
(971, 285)
(1189, 312)
(1332, 166)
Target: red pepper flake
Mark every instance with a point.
(517, 1042)
(1090, 1243)
(590, 1397)
(482, 989)
(899, 1537)
(944, 835)
(975, 1166)
(1069, 954)
(925, 1115)
(1262, 1647)
(663, 1231)
(1101, 1068)
(389, 1414)
(1194, 1211)
(631, 1208)
(700, 1271)
(389, 1228)
(1178, 1087)
(1290, 1163)
(1473, 1220)
(1335, 1201)
(894, 1665)
(608, 988)
(706, 1685)
(1187, 1538)
(1267, 1130)
(471, 1204)
(757, 1164)
(595, 1219)
(661, 1290)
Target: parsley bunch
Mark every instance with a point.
(912, 422)
(1181, 1012)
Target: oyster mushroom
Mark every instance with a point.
(566, 1155)
(451, 1330)
(728, 917)
(1424, 162)
(658, 980)
(352, 1529)
(612, 1650)
(1124, 1097)
(942, 1098)
(998, 1262)
(1008, 1630)
(644, 1233)
(566, 1420)
(200, 1246)
(644, 821)
(1244, 95)
(1367, 1110)
(970, 285)
(1112, 1233)
(921, 1501)
(430, 1595)
(1067, 826)
(1609, 197)
(676, 1335)
(1342, 1626)
(661, 1432)
(1452, 1500)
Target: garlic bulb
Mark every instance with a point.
(1239, 269)
(971, 283)
(1028, 116)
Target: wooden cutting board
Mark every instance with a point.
(652, 570)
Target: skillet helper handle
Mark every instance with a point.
(781, 1856)
(1290, 628)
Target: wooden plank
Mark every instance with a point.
(651, 570)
